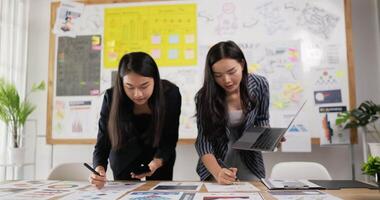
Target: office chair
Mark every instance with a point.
(299, 170)
(69, 172)
(73, 172)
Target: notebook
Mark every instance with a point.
(262, 138)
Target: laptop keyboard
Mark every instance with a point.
(265, 140)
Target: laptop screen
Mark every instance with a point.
(299, 110)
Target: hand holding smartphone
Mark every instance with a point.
(141, 169)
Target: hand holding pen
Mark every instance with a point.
(227, 175)
(98, 176)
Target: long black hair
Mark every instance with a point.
(122, 106)
(210, 100)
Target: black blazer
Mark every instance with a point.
(123, 158)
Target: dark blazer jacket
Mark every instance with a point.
(131, 150)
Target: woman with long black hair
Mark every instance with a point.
(138, 123)
(229, 101)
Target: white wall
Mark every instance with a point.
(336, 158)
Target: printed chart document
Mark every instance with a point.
(153, 195)
(27, 184)
(13, 188)
(275, 184)
(236, 187)
(302, 194)
(48, 191)
(178, 186)
(112, 190)
(224, 196)
(11, 191)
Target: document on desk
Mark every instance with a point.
(178, 186)
(118, 185)
(223, 196)
(236, 187)
(153, 195)
(276, 184)
(112, 190)
(11, 191)
(48, 191)
(27, 184)
(302, 194)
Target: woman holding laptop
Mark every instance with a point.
(229, 101)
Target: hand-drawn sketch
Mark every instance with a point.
(250, 22)
(291, 6)
(318, 21)
(91, 20)
(280, 63)
(227, 20)
(273, 17)
(205, 16)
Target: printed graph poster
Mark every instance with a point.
(78, 66)
(167, 32)
(75, 118)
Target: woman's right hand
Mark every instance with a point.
(227, 176)
(98, 181)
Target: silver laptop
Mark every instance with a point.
(262, 138)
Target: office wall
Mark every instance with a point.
(365, 35)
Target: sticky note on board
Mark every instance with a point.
(112, 56)
(111, 43)
(156, 39)
(95, 40)
(173, 39)
(189, 54)
(173, 54)
(339, 74)
(189, 38)
(156, 53)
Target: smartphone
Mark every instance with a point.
(141, 169)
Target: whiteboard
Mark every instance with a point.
(299, 46)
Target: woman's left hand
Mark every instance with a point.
(153, 166)
(283, 139)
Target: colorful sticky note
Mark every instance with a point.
(173, 54)
(112, 56)
(111, 43)
(189, 54)
(339, 74)
(189, 38)
(96, 47)
(156, 53)
(95, 40)
(156, 39)
(173, 39)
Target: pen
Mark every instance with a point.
(220, 161)
(91, 169)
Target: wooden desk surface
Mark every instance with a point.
(346, 194)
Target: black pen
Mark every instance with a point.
(91, 169)
(220, 161)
